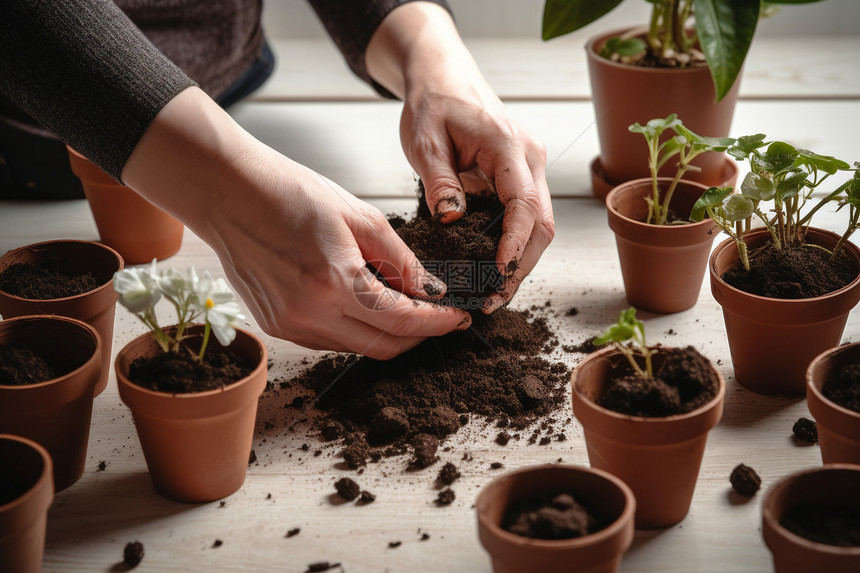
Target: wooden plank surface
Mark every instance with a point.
(90, 522)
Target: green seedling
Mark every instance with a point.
(628, 336)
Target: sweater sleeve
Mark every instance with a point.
(83, 70)
(351, 25)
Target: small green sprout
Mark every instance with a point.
(628, 336)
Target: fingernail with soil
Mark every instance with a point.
(447, 208)
(511, 267)
(433, 287)
(465, 323)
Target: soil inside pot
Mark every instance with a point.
(825, 524)
(843, 387)
(182, 372)
(793, 272)
(20, 367)
(44, 281)
(683, 383)
(550, 516)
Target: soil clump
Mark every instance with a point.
(745, 480)
(555, 516)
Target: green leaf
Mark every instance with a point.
(655, 127)
(790, 186)
(746, 145)
(561, 17)
(624, 47)
(758, 188)
(779, 157)
(710, 199)
(738, 208)
(824, 163)
(725, 29)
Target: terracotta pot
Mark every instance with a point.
(26, 493)
(55, 413)
(838, 427)
(662, 265)
(831, 485)
(96, 307)
(624, 94)
(772, 340)
(126, 221)
(658, 458)
(599, 552)
(196, 445)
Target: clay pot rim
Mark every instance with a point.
(591, 52)
(646, 181)
(755, 233)
(816, 389)
(613, 529)
(96, 355)
(771, 523)
(674, 418)
(35, 489)
(123, 381)
(34, 246)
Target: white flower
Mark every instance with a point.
(219, 305)
(138, 288)
(174, 285)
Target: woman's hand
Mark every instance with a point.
(293, 244)
(453, 126)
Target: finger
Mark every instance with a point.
(390, 311)
(443, 191)
(519, 193)
(358, 337)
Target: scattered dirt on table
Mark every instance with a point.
(843, 387)
(21, 367)
(825, 524)
(805, 429)
(445, 497)
(347, 488)
(132, 554)
(683, 382)
(793, 272)
(555, 516)
(44, 281)
(745, 480)
(448, 474)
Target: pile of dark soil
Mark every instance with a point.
(683, 382)
(182, 372)
(843, 387)
(43, 282)
(20, 366)
(556, 516)
(831, 525)
(793, 272)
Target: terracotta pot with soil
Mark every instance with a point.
(811, 520)
(649, 435)
(662, 265)
(625, 94)
(833, 397)
(196, 443)
(138, 230)
(565, 519)
(49, 367)
(26, 493)
(773, 340)
(66, 278)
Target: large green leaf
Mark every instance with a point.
(561, 17)
(725, 29)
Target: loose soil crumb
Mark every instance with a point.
(293, 532)
(21, 367)
(556, 516)
(132, 554)
(365, 498)
(745, 480)
(683, 382)
(347, 488)
(448, 474)
(793, 272)
(44, 281)
(831, 525)
(843, 387)
(445, 497)
(321, 566)
(217, 543)
(425, 447)
(102, 466)
(805, 429)
(394, 544)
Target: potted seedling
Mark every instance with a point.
(833, 397)
(663, 255)
(555, 518)
(686, 59)
(786, 287)
(652, 407)
(194, 403)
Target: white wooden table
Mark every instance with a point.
(355, 143)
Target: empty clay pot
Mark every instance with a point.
(96, 307)
(196, 445)
(599, 552)
(624, 94)
(126, 221)
(838, 427)
(55, 413)
(833, 485)
(662, 265)
(659, 458)
(773, 340)
(26, 493)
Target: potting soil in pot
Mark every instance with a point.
(793, 272)
(823, 524)
(554, 516)
(182, 372)
(43, 282)
(20, 366)
(843, 387)
(683, 383)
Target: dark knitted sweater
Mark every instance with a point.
(88, 74)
